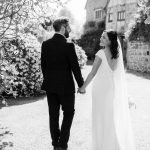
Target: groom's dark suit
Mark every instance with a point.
(59, 63)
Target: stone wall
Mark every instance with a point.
(138, 56)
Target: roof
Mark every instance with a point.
(116, 2)
(99, 3)
(120, 2)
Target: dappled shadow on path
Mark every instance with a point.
(21, 101)
(4, 132)
(139, 74)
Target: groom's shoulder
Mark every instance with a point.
(47, 41)
(70, 45)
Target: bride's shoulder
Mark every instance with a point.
(100, 53)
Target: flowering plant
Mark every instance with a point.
(20, 70)
(82, 58)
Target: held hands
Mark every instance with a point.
(81, 90)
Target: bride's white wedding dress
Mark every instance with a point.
(111, 124)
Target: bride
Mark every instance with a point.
(111, 123)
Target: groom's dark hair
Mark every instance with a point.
(59, 22)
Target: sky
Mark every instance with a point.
(77, 7)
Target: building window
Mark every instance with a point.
(121, 16)
(110, 17)
(147, 52)
(99, 14)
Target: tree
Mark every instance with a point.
(19, 18)
(15, 15)
(90, 40)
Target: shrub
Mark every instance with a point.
(20, 71)
(82, 58)
(20, 66)
(90, 40)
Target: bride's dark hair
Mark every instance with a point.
(112, 35)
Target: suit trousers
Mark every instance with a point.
(59, 136)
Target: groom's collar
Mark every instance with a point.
(61, 36)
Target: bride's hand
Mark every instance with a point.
(81, 90)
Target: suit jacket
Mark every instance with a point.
(59, 63)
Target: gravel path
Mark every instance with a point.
(24, 124)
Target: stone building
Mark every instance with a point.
(120, 13)
(96, 10)
(117, 13)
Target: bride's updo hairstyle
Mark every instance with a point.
(112, 35)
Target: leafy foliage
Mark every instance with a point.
(20, 66)
(20, 73)
(15, 15)
(139, 29)
(82, 58)
(25, 24)
(89, 41)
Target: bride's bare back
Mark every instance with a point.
(111, 62)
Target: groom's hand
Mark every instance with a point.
(81, 90)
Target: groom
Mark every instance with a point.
(59, 63)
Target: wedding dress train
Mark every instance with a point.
(111, 124)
